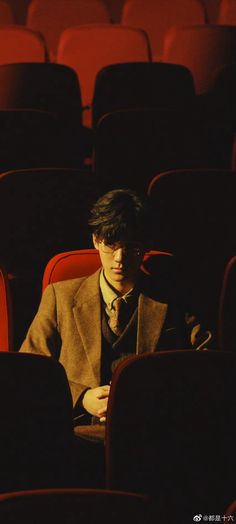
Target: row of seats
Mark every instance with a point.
(155, 17)
(192, 215)
(158, 437)
(74, 264)
(204, 50)
(191, 396)
(134, 145)
(19, 9)
(164, 90)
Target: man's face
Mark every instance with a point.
(121, 262)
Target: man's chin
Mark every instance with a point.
(118, 272)
(118, 277)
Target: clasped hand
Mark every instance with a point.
(95, 401)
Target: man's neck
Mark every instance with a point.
(120, 287)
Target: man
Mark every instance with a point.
(91, 323)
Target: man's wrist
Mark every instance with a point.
(81, 398)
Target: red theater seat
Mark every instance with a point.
(51, 18)
(212, 10)
(6, 326)
(19, 44)
(227, 12)
(6, 15)
(80, 263)
(202, 49)
(157, 16)
(87, 49)
(71, 264)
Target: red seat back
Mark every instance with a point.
(75, 264)
(6, 328)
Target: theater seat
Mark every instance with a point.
(19, 44)
(36, 438)
(42, 86)
(88, 48)
(198, 228)
(51, 18)
(157, 16)
(227, 12)
(201, 48)
(6, 322)
(80, 263)
(6, 15)
(140, 85)
(170, 430)
(72, 506)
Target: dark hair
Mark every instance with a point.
(117, 215)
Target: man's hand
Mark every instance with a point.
(95, 401)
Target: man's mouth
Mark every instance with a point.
(118, 269)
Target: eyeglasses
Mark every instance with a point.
(129, 248)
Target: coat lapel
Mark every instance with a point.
(151, 317)
(87, 314)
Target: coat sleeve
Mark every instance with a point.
(43, 337)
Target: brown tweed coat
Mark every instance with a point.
(67, 327)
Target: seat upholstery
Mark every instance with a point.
(157, 16)
(51, 209)
(31, 138)
(75, 504)
(42, 86)
(227, 12)
(6, 321)
(202, 49)
(88, 48)
(194, 216)
(141, 84)
(135, 144)
(83, 262)
(6, 14)
(170, 430)
(51, 18)
(36, 440)
(20, 44)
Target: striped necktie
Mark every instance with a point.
(115, 320)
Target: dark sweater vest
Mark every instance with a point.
(115, 349)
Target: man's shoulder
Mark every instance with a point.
(70, 288)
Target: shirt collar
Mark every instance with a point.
(109, 294)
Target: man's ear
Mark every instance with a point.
(95, 242)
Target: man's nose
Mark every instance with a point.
(119, 254)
